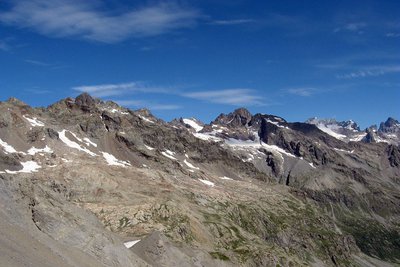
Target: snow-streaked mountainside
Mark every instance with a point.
(389, 131)
(85, 182)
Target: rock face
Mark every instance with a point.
(390, 126)
(83, 177)
(238, 118)
(371, 136)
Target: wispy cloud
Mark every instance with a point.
(393, 34)
(86, 19)
(236, 97)
(302, 91)
(38, 63)
(106, 90)
(232, 22)
(146, 104)
(5, 46)
(370, 72)
(357, 27)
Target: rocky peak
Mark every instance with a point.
(391, 125)
(85, 102)
(371, 135)
(350, 125)
(237, 118)
(16, 102)
(144, 112)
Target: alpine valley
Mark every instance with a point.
(86, 182)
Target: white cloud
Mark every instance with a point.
(393, 34)
(232, 22)
(84, 19)
(146, 104)
(38, 63)
(236, 97)
(303, 91)
(352, 27)
(4, 45)
(370, 72)
(355, 26)
(106, 90)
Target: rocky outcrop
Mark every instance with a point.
(238, 118)
(389, 126)
(371, 135)
(393, 153)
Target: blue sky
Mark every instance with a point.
(295, 59)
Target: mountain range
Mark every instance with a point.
(84, 182)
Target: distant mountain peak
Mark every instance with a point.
(239, 117)
(391, 125)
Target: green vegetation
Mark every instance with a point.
(218, 255)
(373, 238)
(123, 222)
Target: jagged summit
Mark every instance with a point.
(16, 102)
(391, 125)
(239, 117)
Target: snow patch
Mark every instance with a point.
(207, 182)
(7, 148)
(145, 119)
(190, 165)
(27, 167)
(207, 137)
(73, 144)
(88, 142)
(34, 121)
(225, 178)
(130, 244)
(358, 138)
(118, 111)
(149, 147)
(342, 150)
(111, 160)
(169, 154)
(192, 123)
(33, 150)
(277, 124)
(330, 130)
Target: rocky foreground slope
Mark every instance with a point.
(88, 183)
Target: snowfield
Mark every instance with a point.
(7, 148)
(193, 124)
(111, 160)
(73, 144)
(27, 167)
(130, 244)
(207, 182)
(34, 122)
(169, 154)
(190, 165)
(32, 151)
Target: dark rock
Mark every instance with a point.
(238, 118)
(389, 126)
(371, 135)
(85, 102)
(53, 134)
(393, 153)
